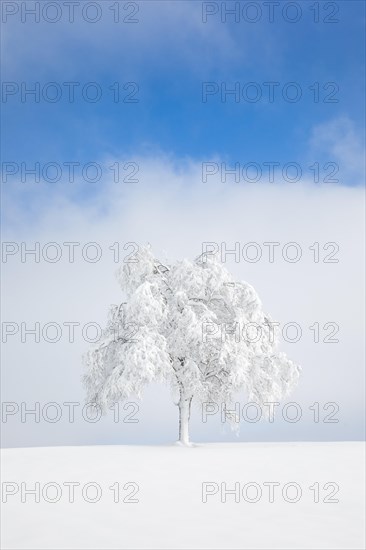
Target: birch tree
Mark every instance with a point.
(179, 325)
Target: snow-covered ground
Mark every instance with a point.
(167, 483)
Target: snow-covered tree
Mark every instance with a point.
(180, 325)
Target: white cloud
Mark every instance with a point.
(343, 142)
(173, 210)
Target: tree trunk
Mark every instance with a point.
(184, 415)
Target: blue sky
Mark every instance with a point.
(169, 53)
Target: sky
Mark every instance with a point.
(171, 50)
(175, 135)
